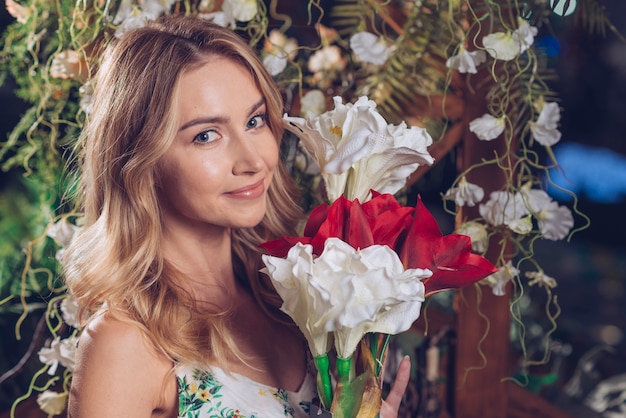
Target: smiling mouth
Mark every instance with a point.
(249, 192)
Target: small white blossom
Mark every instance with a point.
(62, 232)
(279, 49)
(241, 10)
(508, 45)
(465, 61)
(51, 402)
(545, 130)
(502, 207)
(327, 58)
(477, 233)
(18, 11)
(500, 278)
(541, 279)
(465, 193)
(69, 310)
(86, 97)
(487, 127)
(554, 221)
(67, 64)
(522, 226)
(313, 104)
(61, 352)
(369, 48)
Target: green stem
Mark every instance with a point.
(344, 367)
(324, 385)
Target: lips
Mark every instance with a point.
(249, 192)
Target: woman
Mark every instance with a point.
(180, 183)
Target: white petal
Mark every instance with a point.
(501, 46)
(370, 48)
(487, 127)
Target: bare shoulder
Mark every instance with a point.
(119, 373)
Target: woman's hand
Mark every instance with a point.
(390, 406)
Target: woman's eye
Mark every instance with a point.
(257, 121)
(205, 137)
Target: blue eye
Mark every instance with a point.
(257, 121)
(205, 137)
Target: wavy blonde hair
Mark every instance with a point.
(116, 263)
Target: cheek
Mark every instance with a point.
(270, 154)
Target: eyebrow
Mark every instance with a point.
(219, 119)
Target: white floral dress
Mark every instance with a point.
(212, 393)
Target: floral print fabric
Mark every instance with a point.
(214, 394)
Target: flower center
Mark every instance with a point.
(336, 130)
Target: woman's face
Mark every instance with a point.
(220, 165)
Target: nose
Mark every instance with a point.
(246, 156)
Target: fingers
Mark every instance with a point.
(399, 384)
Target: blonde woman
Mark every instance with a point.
(180, 181)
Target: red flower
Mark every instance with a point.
(448, 257)
(412, 233)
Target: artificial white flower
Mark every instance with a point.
(522, 226)
(500, 278)
(86, 97)
(241, 10)
(70, 311)
(51, 402)
(554, 221)
(358, 151)
(18, 11)
(369, 48)
(61, 352)
(313, 103)
(352, 292)
(545, 130)
(465, 193)
(466, 61)
(477, 233)
(502, 207)
(508, 45)
(135, 19)
(67, 64)
(540, 278)
(487, 127)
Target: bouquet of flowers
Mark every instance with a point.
(365, 263)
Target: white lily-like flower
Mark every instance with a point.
(70, 311)
(465, 193)
(466, 61)
(358, 151)
(368, 47)
(327, 58)
(51, 402)
(508, 45)
(487, 127)
(545, 130)
(541, 279)
(313, 104)
(477, 233)
(61, 352)
(502, 207)
(555, 221)
(347, 291)
(498, 280)
(19, 12)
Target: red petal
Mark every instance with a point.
(475, 269)
(280, 247)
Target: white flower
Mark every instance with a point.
(241, 10)
(61, 352)
(554, 221)
(327, 58)
(313, 103)
(540, 278)
(69, 310)
(67, 64)
(18, 11)
(358, 151)
(477, 233)
(502, 207)
(522, 226)
(465, 193)
(62, 232)
(507, 46)
(86, 97)
(500, 278)
(52, 403)
(279, 50)
(353, 291)
(136, 19)
(545, 130)
(465, 61)
(369, 48)
(487, 127)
